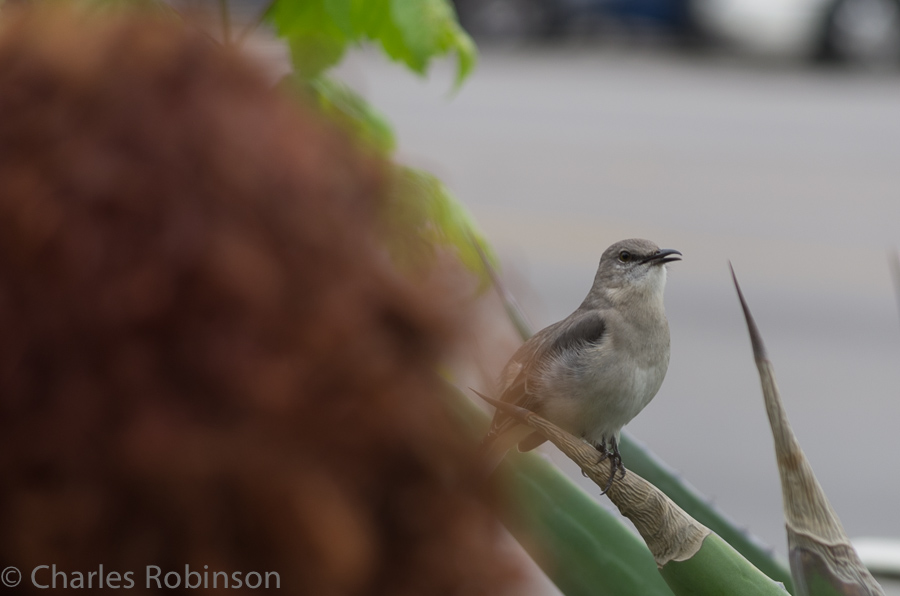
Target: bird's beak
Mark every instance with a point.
(662, 256)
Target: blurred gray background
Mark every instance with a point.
(786, 168)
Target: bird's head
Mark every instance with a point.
(633, 267)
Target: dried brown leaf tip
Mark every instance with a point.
(823, 562)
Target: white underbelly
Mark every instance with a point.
(597, 406)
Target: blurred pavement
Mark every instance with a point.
(791, 174)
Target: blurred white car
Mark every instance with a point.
(866, 32)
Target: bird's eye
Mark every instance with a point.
(624, 256)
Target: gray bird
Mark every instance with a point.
(595, 370)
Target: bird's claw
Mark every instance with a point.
(618, 466)
(615, 466)
(604, 454)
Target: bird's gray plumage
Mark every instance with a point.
(595, 370)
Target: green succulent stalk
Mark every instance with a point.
(691, 559)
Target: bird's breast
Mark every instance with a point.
(595, 392)
(595, 389)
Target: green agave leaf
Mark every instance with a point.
(692, 560)
(717, 569)
(643, 462)
(583, 548)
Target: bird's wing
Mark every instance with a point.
(580, 328)
(515, 381)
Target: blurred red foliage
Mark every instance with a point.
(205, 356)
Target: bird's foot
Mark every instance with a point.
(618, 466)
(604, 453)
(615, 467)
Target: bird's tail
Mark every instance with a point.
(502, 437)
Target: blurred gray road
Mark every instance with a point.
(793, 175)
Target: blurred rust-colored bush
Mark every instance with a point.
(205, 356)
